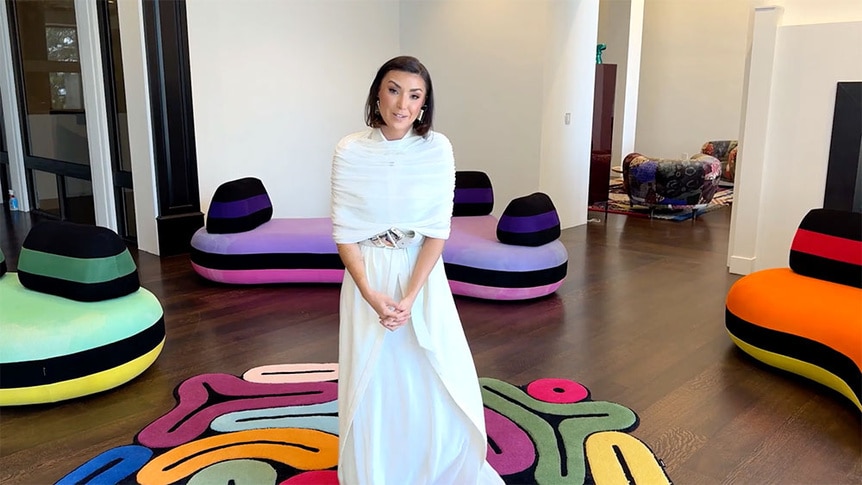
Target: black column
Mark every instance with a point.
(173, 124)
(844, 172)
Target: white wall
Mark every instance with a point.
(692, 73)
(276, 84)
(800, 127)
(273, 100)
(486, 59)
(789, 179)
(570, 71)
(804, 12)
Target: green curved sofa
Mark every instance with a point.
(74, 318)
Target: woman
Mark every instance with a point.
(409, 403)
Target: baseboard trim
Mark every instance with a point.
(740, 265)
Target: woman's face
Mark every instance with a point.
(401, 97)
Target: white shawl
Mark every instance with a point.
(378, 184)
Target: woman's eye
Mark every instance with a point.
(415, 96)
(393, 91)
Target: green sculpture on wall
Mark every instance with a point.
(599, 49)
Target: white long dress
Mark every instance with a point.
(410, 407)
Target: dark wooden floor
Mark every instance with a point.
(639, 321)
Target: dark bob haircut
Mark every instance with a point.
(405, 64)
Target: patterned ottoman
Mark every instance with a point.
(669, 183)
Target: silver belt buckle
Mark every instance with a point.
(392, 238)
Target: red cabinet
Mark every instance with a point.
(603, 128)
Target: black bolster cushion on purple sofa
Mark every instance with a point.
(238, 206)
(474, 195)
(531, 220)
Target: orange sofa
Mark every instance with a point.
(807, 319)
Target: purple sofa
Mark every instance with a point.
(517, 257)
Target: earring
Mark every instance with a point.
(421, 114)
(377, 107)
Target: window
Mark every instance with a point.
(61, 43)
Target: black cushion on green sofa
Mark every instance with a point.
(77, 261)
(531, 220)
(828, 246)
(238, 206)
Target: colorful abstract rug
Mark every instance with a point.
(278, 425)
(619, 204)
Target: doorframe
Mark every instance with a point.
(175, 154)
(96, 110)
(121, 179)
(12, 122)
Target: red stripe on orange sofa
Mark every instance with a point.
(826, 246)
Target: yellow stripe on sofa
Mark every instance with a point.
(802, 368)
(81, 386)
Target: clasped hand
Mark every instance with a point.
(393, 314)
